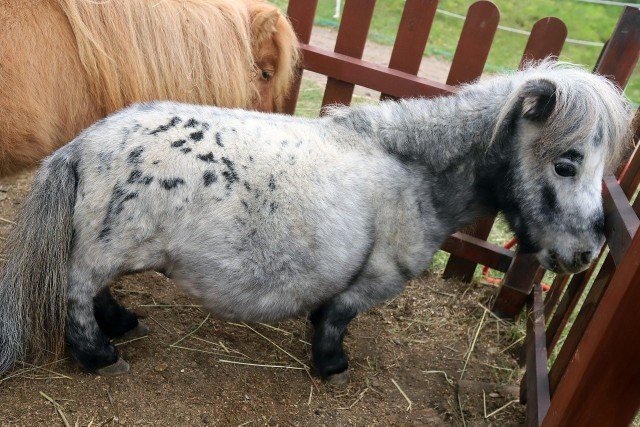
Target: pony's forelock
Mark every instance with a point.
(588, 106)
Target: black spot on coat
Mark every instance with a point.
(209, 177)
(115, 206)
(207, 157)
(219, 139)
(135, 156)
(171, 183)
(196, 136)
(178, 143)
(191, 123)
(230, 175)
(163, 128)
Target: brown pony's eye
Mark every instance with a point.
(266, 75)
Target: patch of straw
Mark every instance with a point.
(361, 395)
(464, 422)
(260, 365)
(403, 395)
(192, 332)
(275, 328)
(446, 377)
(128, 341)
(473, 344)
(21, 372)
(304, 365)
(502, 408)
(58, 409)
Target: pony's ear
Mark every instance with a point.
(538, 100)
(263, 23)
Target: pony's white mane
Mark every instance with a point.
(587, 104)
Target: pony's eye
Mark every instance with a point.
(565, 169)
(266, 75)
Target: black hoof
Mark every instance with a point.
(118, 368)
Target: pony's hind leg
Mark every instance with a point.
(114, 320)
(87, 344)
(330, 325)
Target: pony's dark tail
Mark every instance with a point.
(33, 282)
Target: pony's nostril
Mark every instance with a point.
(585, 257)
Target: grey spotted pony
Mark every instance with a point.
(262, 217)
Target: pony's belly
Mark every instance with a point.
(259, 305)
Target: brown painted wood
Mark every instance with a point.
(460, 266)
(630, 178)
(557, 287)
(478, 251)
(537, 379)
(475, 41)
(546, 39)
(301, 14)
(411, 39)
(565, 307)
(517, 284)
(600, 385)
(468, 63)
(623, 49)
(621, 221)
(373, 76)
(579, 325)
(352, 36)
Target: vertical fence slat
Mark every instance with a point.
(468, 63)
(630, 178)
(537, 382)
(579, 326)
(546, 39)
(475, 41)
(516, 286)
(301, 14)
(604, 372)
(620, 56)
(574, 290)
(557, 287)
(411, 40)
(352, 36)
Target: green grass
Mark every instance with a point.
(585, 21)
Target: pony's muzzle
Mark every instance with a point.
(576, 262)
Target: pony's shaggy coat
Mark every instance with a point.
(67, 63)
(267, 216)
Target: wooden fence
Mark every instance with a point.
(595, 380)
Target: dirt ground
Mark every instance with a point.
(431, 357)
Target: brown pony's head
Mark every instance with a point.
(276, 54)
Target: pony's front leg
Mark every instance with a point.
(330, 325)
(87, 344)
(114, 320)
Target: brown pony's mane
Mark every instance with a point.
(127, 49)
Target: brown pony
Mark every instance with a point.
(67, 63)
